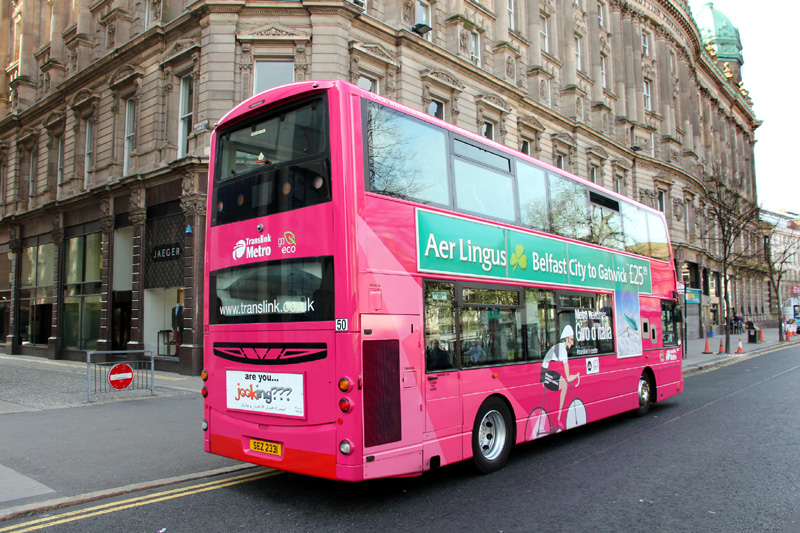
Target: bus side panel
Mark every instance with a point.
(664, 361)
(387, 236)
(392, 399)
(669, 379)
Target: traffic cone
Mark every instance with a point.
(740, 350)
(707, 350)
(721, 347)
(762, 335)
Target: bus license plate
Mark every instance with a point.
(272, 448)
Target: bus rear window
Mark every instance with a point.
(298, 290)
(276, 164)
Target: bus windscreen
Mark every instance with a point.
(274, 164)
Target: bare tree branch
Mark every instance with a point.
(733, 233)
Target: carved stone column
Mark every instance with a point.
(104, 343)
(15, 245)
(193, 203)
(54, 340)
(138, 215)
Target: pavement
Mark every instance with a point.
(58, 450)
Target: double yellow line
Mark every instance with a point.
(72, 516)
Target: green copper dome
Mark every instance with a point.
(716, 29)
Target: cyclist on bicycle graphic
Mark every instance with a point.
(550, 377)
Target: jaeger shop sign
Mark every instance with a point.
(166, 252)
(453, 245)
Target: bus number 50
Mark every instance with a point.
(341, 324)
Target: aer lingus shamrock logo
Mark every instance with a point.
(518, 258)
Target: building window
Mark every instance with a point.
(60, 164)
(645, 44)
(593, 174)
(560, 161)
(436, 109)
(424, 17)
(127, 150)
(3, 181)
(525, 147)
(544, 40)
(36, 294)
(186, 112)
(81, 318)
(603, 77)
(601, 14)
(475, 48)
(487, 130)
(269, 74)
(578, 63)
(618, 187)
(511, 15)
(661, 203)
(88, 152)
(648, 104)
(687, 210)
(368, 84)
(547, 93)
(32, 174)
(360, 3)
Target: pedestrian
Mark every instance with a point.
(438, 358)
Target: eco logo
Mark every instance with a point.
(287, 243)
(518, 258)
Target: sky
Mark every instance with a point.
(767, 32)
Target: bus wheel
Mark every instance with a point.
(492, 436)
(645, 396)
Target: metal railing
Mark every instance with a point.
(143, 375)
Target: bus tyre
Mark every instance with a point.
(492, 436)
(645, 392)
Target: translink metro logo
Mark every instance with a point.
(252, 248)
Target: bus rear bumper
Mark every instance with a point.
(309, 450)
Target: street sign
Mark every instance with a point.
(681, 287)
(120, 376)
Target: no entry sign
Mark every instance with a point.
(120, 376)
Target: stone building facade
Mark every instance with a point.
(109, 105)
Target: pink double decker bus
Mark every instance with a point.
(387, 293)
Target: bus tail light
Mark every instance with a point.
(204, 375)
(344, 385)
(204, 425)
(345, 447)
(204, 392)
(345, 405)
